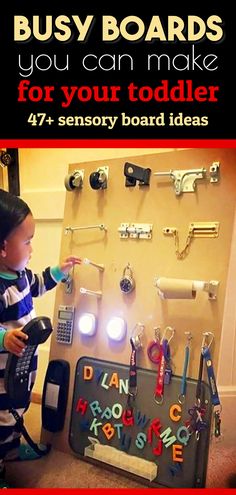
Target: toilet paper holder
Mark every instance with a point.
(170, 288)
(212, 288)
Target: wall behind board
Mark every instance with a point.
(157, 204)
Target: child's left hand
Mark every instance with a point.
(69, 262)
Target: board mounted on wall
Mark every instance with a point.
(125, 224)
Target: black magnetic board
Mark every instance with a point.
(192, 471)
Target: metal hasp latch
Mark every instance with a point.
(133, 173)
(135, 230)
(185, 180)
(196, 229)
(215, 172)
(204, 229)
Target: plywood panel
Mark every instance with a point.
(1, 177)
(157, 204)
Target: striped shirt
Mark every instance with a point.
(16, 309)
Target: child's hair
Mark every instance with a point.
(13, 211)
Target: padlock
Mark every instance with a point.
(127, 283)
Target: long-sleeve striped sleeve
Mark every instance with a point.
(47, 280)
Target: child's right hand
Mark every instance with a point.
(13, 343)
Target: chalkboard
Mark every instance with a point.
(99, 401)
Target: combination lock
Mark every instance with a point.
(127, 283)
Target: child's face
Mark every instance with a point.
(17, 248)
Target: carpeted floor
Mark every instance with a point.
(59, 470)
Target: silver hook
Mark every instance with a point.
(160, 399)
(157, 334)
(205, 337)
(189, 338)
(172, 332)
(136, 335)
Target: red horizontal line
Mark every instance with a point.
(128, 491)
(118, 143)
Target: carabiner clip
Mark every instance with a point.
(171, 331)
(157, 334)
(136, 335)
(132, 393)
(205, 338)
(189, 338)
(181, 398)
(159, 402)
(154, 348)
